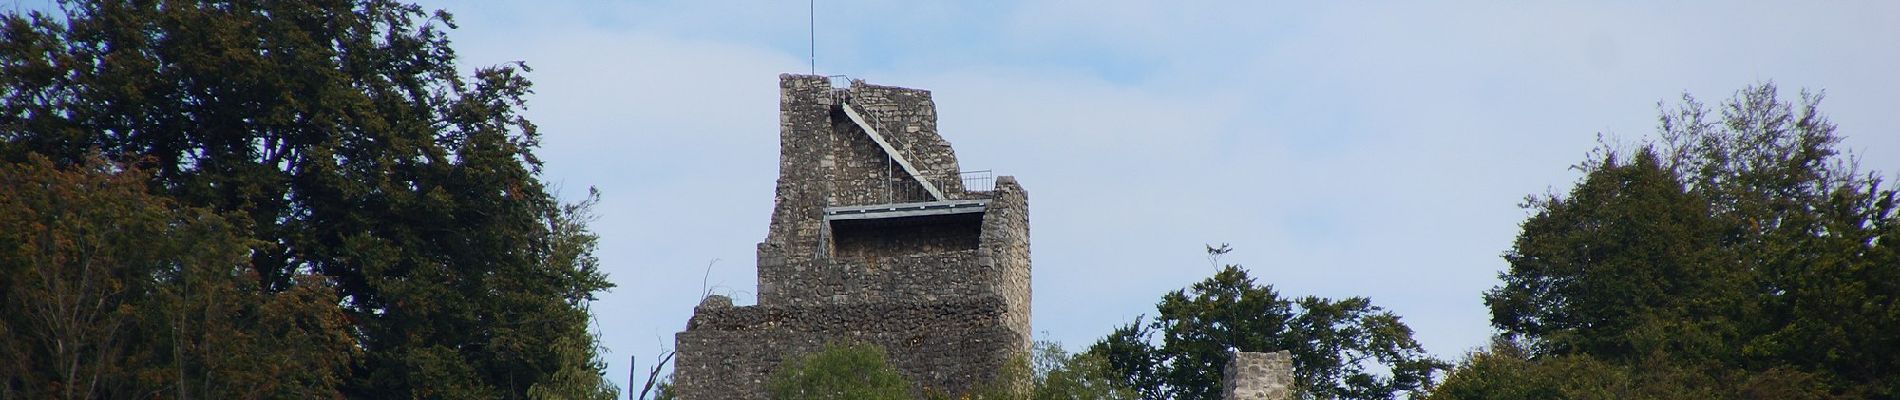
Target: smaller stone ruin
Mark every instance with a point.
(1258, 376)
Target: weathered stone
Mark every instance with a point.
(946, 295)
(713, 302)
(1258, 376)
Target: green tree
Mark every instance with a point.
(576, 381)
(1812, 231)
(108, 291)
(347, 139)
(1505, 371)
(1047, 372)
(1135, 363)
(1341, 348)
(840, 371)
(1625, 266)
(1508, 370)
(1059, 375)
(1740, 256)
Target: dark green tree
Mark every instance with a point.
(1505, 371)
(347, 139)
(1811, 231)
(1132, 359)
(1740, 256)
(109, 291)
(1626, 265)
(1341, 348)
(1509, 370)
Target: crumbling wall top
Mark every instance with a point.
(1258, 376)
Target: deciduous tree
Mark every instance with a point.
(1741, 255)
(1345, 348)
(353, 146)
(108, 291)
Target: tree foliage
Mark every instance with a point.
(1628, 241)
(840, 371)
(1740, 255)
(109, 291)
(1059, 375)
(1047, 372)
(1345, 348)
(346, 139)
(1508, 369)
(861, 371)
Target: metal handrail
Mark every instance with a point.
(902, 189)
(978, 181)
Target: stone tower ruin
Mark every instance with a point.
(877, 236)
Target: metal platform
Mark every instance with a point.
(903, 210)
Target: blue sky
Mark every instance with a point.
(1356, 149)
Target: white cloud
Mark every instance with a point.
(1356, 149)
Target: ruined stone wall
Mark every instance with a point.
(917, 277)
(1005, 243)
(860, 172)
(908, 117)
(1258, 376)
(940, 345)
(805, 146)
(946, 295)
(827, 160)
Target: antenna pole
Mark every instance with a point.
(812, 31)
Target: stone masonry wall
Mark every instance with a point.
(1258, 376)
(826, 160)
(860, 172)
(947, 296)
(1005, 243)
(917, 277)
(730, 352)
(908, 118)
(805, 108)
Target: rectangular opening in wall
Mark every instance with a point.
(868, 238)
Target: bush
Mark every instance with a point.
(840, 371)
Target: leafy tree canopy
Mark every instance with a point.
(346, 139)
(1345, 348)
(1059, 375)
(840, 371)
(1740, 246)
(109, 291)
(1048, 372)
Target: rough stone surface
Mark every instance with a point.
(947, 296)
(1258, 376)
